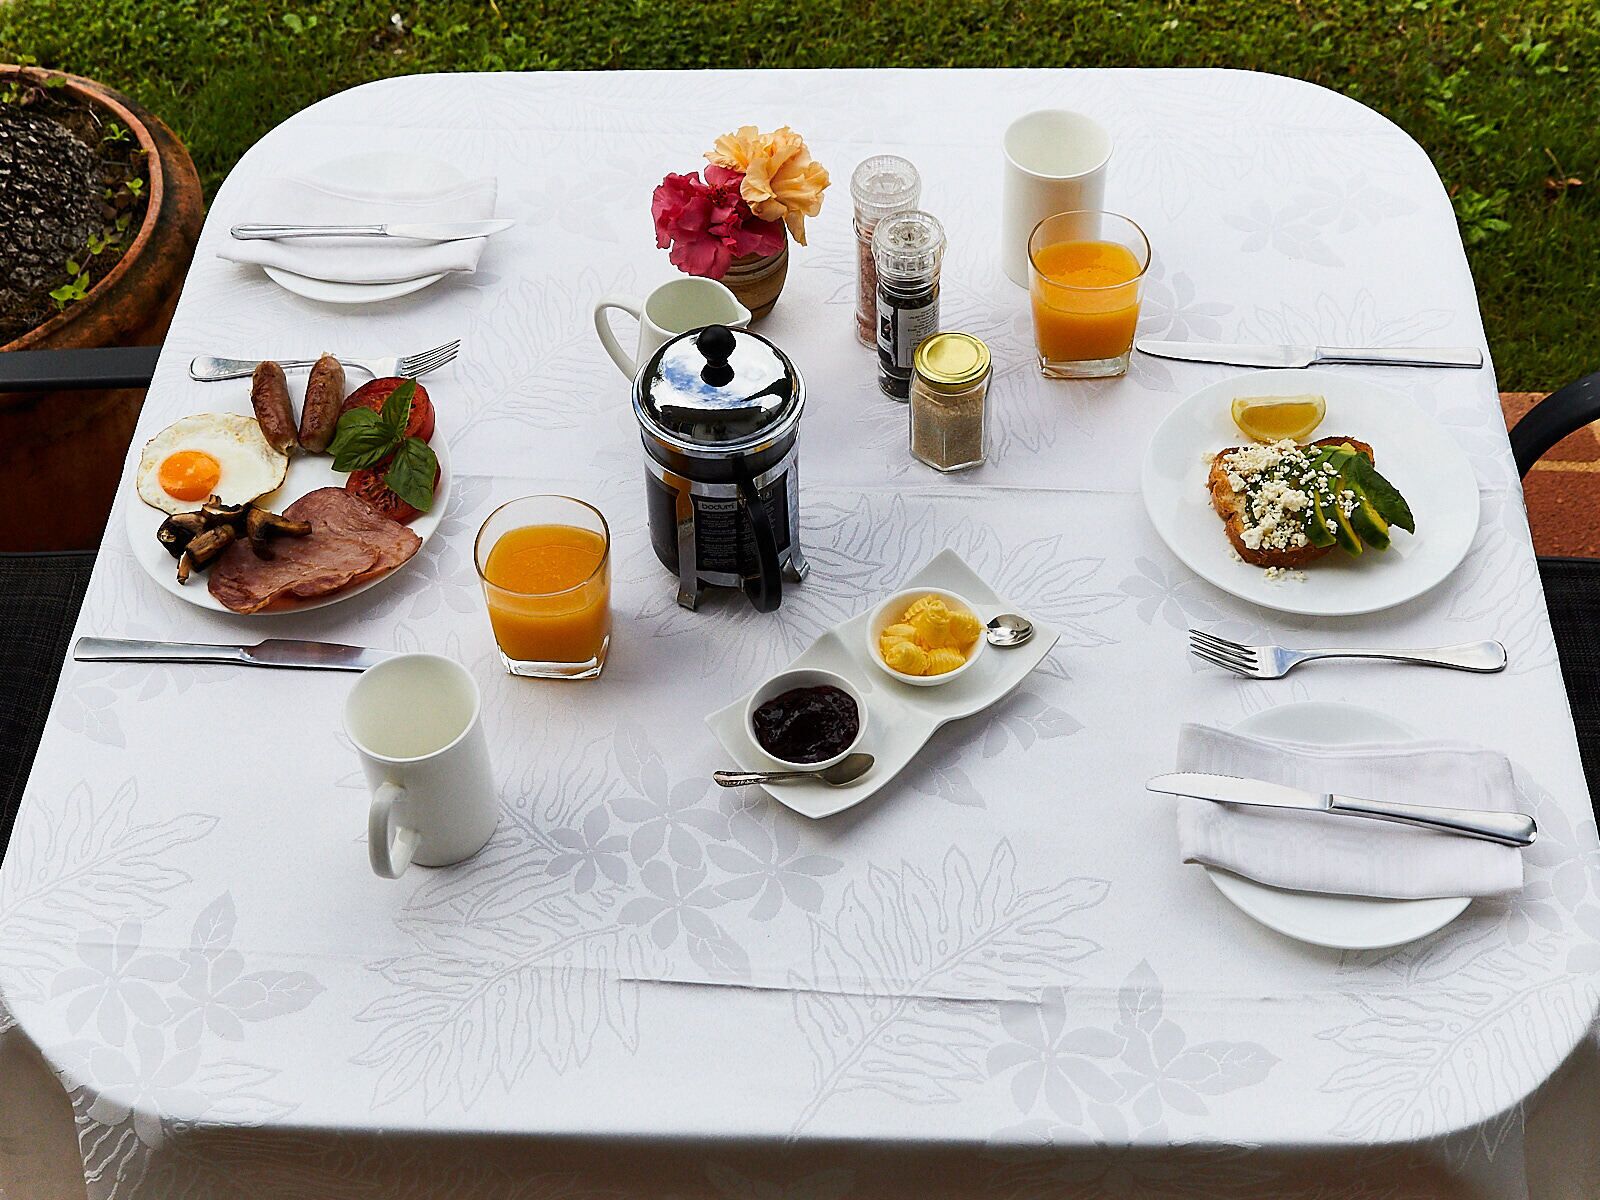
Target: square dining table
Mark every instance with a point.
(996, 977)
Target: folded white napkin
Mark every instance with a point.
(1321, 852)
(361, 260)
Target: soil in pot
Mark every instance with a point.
(73, 192)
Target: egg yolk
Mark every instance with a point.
(189, 475)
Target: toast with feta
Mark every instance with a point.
(1282, 504)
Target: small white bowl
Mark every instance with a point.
(890, 612)
(802, 677)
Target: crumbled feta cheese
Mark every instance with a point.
(1273, 508)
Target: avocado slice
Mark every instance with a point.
(1365, 480)
(1367, 521)
(1317, 531)
(1336, 527)
(1344, 532)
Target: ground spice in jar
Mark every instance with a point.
(881, 186)
(949, 402)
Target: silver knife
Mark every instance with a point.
(1241, 354)
(1507, 828)
(439, 231)
(274, 652)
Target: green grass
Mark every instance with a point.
(1498, 91)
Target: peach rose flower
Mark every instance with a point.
(781, 181)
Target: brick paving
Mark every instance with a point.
(1563, 489)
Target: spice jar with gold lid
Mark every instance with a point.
(949, 402)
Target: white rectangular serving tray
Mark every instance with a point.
(902, 718)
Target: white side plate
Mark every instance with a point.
(1340, 922)
(903, 717)
(1412, 450)
(377, 172)
(326, 291)
(307, 473)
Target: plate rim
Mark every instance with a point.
(1242, 892)
(372, 293)
(1196, 565)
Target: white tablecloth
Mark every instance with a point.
(995, 976)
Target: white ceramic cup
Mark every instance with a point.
(1055, 162)
(415, 722)
(673, 308)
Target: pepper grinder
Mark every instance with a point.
(907, 249)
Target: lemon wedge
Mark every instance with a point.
(1278, 418)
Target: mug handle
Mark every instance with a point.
(389, 846)
(602, 325)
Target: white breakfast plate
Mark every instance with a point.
(1412, 450)
(380, 172)
(902, 718)
(307, 472)
(1339, 922)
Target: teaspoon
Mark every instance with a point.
(847, 770)
(1008, 629)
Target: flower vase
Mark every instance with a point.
(756, 279)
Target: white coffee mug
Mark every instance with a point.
(415, 722)
(1055, 163)
(673, 308)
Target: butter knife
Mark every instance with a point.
(1241, 354)
(438, 231)
(273, 652)
(1507, 828)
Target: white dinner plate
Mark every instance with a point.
(379, 172)
(327, 291)
(307, 472)
(1411, 449)
(901, 717)
(1340, 922)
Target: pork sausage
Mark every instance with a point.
(269, 396)
(324, 396)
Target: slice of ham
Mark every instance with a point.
(350, 541)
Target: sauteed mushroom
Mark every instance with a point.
(217, 513)
(178, 530)
(204, 550)
(262, 524)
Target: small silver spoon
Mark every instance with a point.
(1008, 629)
(847, 770)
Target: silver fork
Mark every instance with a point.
(1273, 662)
(210, 370)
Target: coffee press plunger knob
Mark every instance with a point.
(717, 343)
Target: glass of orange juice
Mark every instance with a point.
(545, 563)
(1085, 273)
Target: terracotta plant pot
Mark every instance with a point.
(757, 279)
(69, 446)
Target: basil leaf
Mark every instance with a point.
(361, 439)
(397, 409)
(411, 473)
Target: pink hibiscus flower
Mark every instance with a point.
(707, 224)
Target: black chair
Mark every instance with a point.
(1571, 585)
(40, 594)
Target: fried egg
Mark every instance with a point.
(220, 454)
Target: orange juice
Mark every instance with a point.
(1085, 300)
(548, 590)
